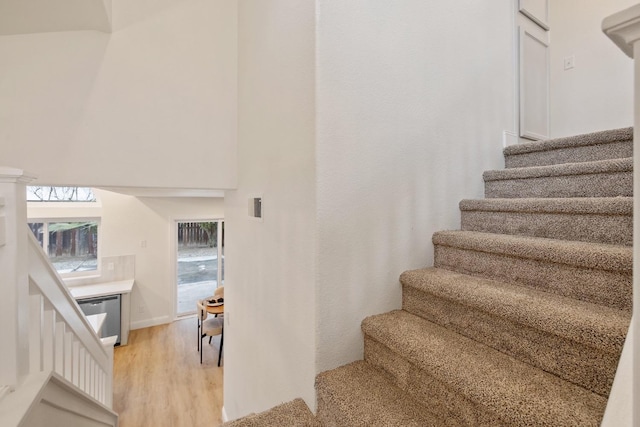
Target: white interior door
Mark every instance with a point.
(533, 64)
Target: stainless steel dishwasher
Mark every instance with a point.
(109, 304)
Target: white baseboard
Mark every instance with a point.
(224, 415)
(147, 323)
(509, 138)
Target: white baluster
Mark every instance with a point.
(92, 378)
(35, 333)
(108, 346)
(75, 373)
(48, 337)
(95, 380)
(82, 359)
(68, 354)
(87, 373)
(59, 347)
(100, 396)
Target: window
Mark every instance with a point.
(72, 246)
(60, 194)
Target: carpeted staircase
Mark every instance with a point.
(522, 319)
(293, 414)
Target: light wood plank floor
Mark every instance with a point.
(158, 379)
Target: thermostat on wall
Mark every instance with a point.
(255, 207)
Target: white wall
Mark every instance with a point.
(128, 220)
(35, 16)
(412, 98)
(270, 266)
(598, 93)
(151, 105)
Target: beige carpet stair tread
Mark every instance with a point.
(567, 169)
(609, 144)
(357, 394)
(295, 414)
(587, 219)
(601, 178)
(579, 254)
(516, 392)
(591, 324)
(594, 138)
(573, 205)
(576, 341)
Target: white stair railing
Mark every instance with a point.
(60, 337)
(54, 370)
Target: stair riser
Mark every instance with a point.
(608, 288)
(326, 414)
(359, 394)
(614, 150)
(617, 230)
(589, 185)
(440, 398)
(586, 366)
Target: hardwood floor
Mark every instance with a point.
(158, 379)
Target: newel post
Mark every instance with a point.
(14, 277)
(624, 29)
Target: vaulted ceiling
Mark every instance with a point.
(37, 16)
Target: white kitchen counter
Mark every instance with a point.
(96, 321)
(101, 289)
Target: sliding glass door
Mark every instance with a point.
(199, 262)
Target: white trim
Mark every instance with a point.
(515, 60)
(173, 261)
(542, 21)
(147, 323)
(220, 258)
(225, 418)
(3, 228)
(623, 28)
(509, 138)
(13, 175)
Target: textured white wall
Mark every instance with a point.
(598, 93)
(412, 98)
(151, 105)
(31, 16)
(270, 282)
(128, 220)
